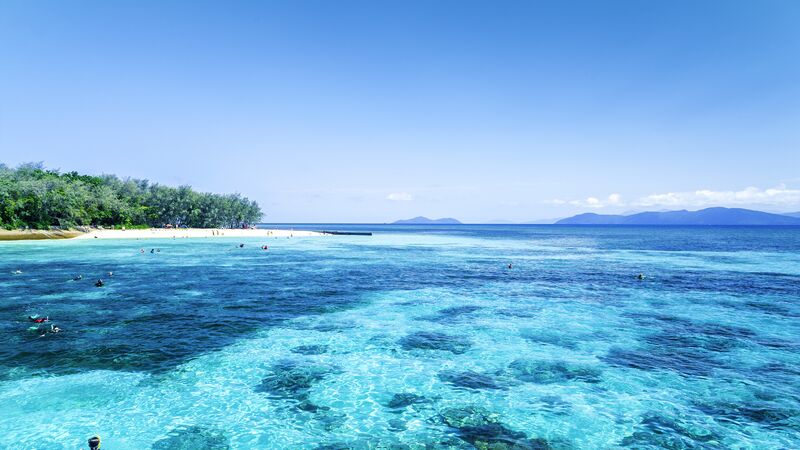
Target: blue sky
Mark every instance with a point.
(372, 111)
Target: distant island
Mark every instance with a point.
(36, 198)
(708, 216)
(426, 221)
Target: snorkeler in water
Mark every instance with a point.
(38, 319)
(641, 276)
(78, 278)
(99, 283)
(94, 443)
(42, 330)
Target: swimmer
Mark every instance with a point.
(110, 274)
(152, 250)
(241, 245)
(16, 272)
(99, 283)
(265, 247)
(38, 319)
(141, 251)
(94, 443)
(509, 266)
(641, 276)
(54, 329)
(78, 278)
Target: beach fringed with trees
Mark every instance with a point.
(32, 196)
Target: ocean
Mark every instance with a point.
(413, 338)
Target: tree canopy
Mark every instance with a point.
(32, 196)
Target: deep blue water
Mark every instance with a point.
(413, 338)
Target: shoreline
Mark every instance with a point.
(153, 233)
(35, 235)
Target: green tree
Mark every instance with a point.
(32, 196)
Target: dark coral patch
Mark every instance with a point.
(545, 372)
(469, 380)
(483, 430)
(453, 313)
(687, 361)
(317, 349)
(307, 406)
(404, 399)
(330, 420)
(550, 337)
(701, 342)
(294, 379)
(554, 404)
(497, 437)
(459, 310)
(324, 326)
(468, 416)
(764, 412)
(397, 425)
(658, 431)
(431, 340)
(193, 438)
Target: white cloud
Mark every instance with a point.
(399, 197)
(590, 202)
(777, 196)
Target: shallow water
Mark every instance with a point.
(412, 338)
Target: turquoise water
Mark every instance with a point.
(413, 338)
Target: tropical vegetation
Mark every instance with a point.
(32, 196)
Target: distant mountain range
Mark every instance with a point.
(425, 221)
(708, 216)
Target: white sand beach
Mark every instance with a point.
(169, 233)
